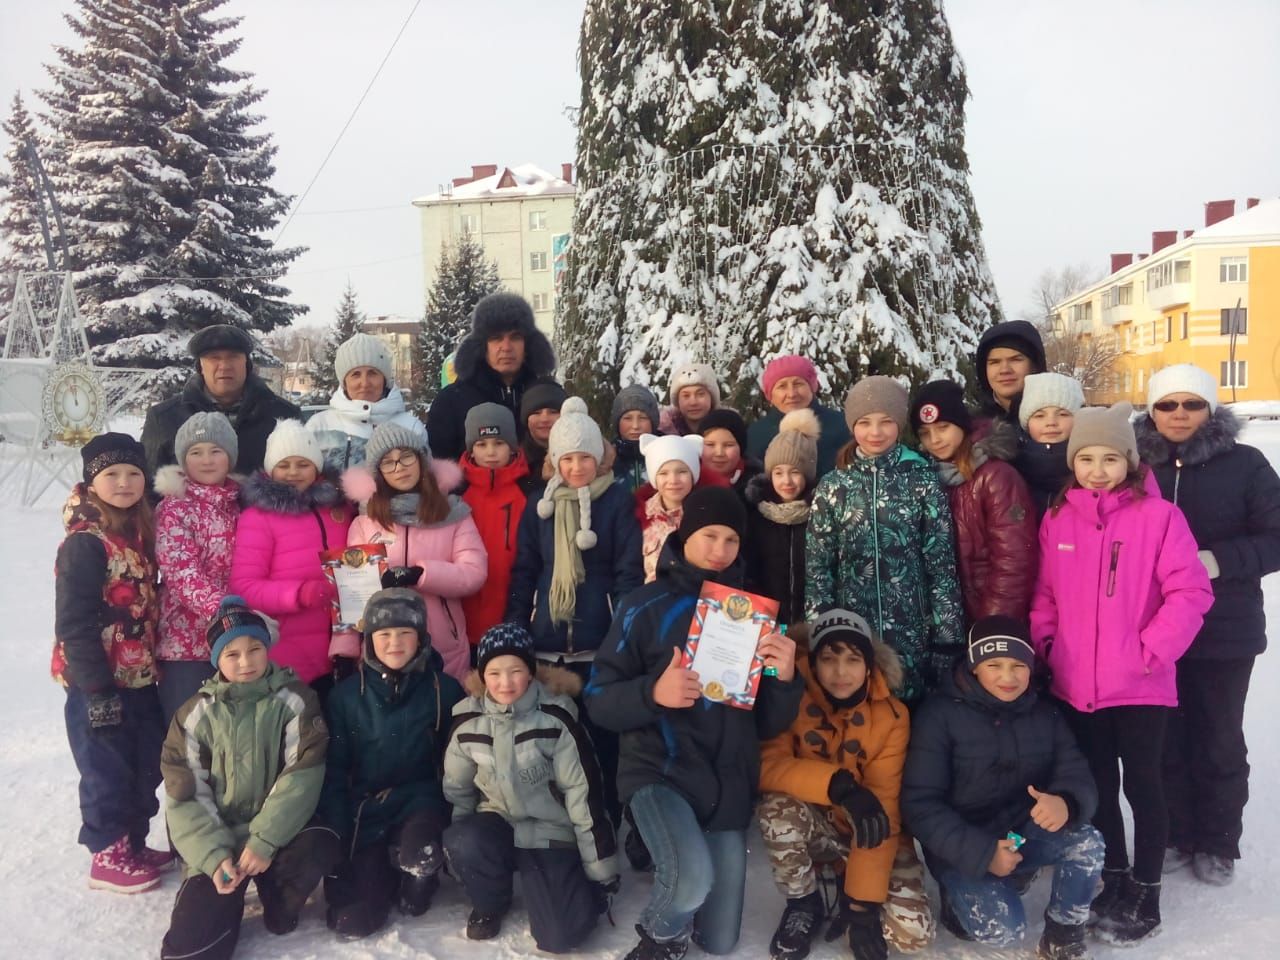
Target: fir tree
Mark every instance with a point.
(736, 202)
(165, 181)
(22, 247)
(347, 322)
(463, 278)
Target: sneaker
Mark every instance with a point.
(1175, 859)
(116, 869)
(1104, 903)
(1134, 918)
(484, 926)
(797, 928)
(1062, 941)
(1214, 870)
(651, 949)
(416, 893)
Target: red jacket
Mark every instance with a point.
(497, 503)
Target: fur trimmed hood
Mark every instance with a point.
(498, 313)
(272, 496)
(886, 677)
(1217, 436)
(556, 680)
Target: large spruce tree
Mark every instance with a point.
(347, 322)
(759, 178)
(165, 180)
(22, 247)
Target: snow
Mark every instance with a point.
(1259, 221)
(47, 910)
(531, 180)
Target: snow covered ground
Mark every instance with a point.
(47, 911)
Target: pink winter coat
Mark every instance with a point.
(279, 539)
(451, 554)
(1120, 597)
(195, 536)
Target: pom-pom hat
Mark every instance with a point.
(291, 438)
(574, 432)
(235, 619)
(796, 444)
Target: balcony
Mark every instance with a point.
(1169, 295)
(1122, 313)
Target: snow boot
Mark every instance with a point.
(1135, 918)
(416, 893)
(355, 920)
(651, 949)
(279, 914)
(116, 869)
(1062, 941)
(947, 917)
(797, 928)
(484, 925)
(157, 860)
(1176, 858)
(1105, 902)
(1214, 870)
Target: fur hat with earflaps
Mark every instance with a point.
(574, 432)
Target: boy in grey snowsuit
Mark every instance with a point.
(527, 795)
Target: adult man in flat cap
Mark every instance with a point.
(224, 382)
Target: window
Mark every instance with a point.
(1142, 375)
(541, 302)
(1182, 271)
(1184, 324)
(1240, 371)
(538, 261)
(469, 223)
(1153, 332)
(1160, 275)
(1241, 318)
(1082, 312)
(1233, 270)
(537, 219)
(1128, 381)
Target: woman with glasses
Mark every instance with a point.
(1230, 495)
(433, 544)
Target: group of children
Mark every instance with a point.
(518, 684)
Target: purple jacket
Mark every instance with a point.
(1121, 595)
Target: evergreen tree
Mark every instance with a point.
(164, 180)
(463, 278)
(736, 202)
(347, 322)
(22, 248)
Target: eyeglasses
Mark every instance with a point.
(1191, 406)
(391, 466)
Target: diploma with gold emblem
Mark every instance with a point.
(727, 627)
(356, 573)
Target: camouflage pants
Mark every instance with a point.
(805, 846)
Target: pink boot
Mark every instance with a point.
(157, 860)
(116, 869)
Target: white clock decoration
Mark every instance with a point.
(73, 403)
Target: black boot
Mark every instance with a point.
(1135, 918)
(279, 914)
(947, 917)
(651, 949)
(797, 928)
(484, 925)
(1104, 904)
(416, 893)
(1062, 941)
(355, 920)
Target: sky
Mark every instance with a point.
(1091, 123)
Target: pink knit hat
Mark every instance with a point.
(788, 365)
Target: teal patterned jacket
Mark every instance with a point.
(881, 543)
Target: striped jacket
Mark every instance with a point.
(532, 763)
(243, 765)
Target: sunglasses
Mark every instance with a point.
(1191, 406)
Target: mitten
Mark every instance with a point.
(315, 593)
(401, 577)
(605, 891)
(105, 710)
(866, 814)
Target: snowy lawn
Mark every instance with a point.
(48, 911)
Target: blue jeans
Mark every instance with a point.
(990, 909)
(699, 876)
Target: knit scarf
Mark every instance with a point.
(788, 514)
(568, 570)
(404, 508)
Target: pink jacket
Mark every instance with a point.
(279, 539)
(1120, 597)
(195, 536)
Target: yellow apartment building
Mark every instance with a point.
(520, 216)
(1209, 297)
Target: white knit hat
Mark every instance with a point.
(291, 438)
(1182, 378)
(1040, 390)
(696, 375)
(363, 350)
(659, 450)
(574, 432)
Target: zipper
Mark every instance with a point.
(1115, 563)
(1177, 479)
(324, 536)
(875, 540)
(791, 567)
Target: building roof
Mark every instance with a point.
(511, 183)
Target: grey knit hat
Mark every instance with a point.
(574, 432)
(635, 397)
(390, 436)
(1105, 427)
(696, 375)
(363, 350)
(1040, 390)
(796, 444)
(488, 421)
(204, 427)
(876, 395)
(395, 607)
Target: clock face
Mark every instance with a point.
(73, 402)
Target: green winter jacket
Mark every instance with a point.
(243, 764)
(387, 734)
(880, 543)
(532, 763)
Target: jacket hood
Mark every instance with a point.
(1010, 329)
(477, 476)
(171, 481)
(272, 496)
(886, 674)
(1217, 435)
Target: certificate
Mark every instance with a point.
(356, 573)
(727, 626)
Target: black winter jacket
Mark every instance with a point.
(775, 550)
(1230, 495)
(1044, 467)
(260, 408)
(708, 753)
(970, 762)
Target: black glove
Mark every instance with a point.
(870, 822)
(862, 922)
(343, 667)
(401, 577)
(105, 710)
(605, 891)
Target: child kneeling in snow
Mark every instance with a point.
(527, 795)
(243, 764)
(388, 727)
(992, 762)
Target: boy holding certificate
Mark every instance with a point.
(688, 766)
